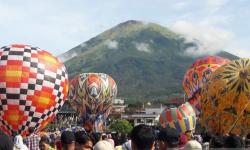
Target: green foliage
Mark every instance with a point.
(121, 126)
(153, 75)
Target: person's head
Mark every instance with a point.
(44, 143)
(189, 134)
(233, 141)
(104, 137)
(31, 130)
(168, 138)
(206, 137)
(96, 137)
(142, 137)
(68, 140)
(217, 142)
(193, 145)
(103, 145)
(83, 141)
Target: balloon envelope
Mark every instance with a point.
(33, 87)
(182, 118)
(225, 99)
(92, 95)
(197, 75)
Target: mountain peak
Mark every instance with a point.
(130, 22)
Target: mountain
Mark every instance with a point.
(146, 60)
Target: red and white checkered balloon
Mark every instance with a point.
(33, 87)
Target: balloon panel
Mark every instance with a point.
(33, 87)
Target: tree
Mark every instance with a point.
(121, 126)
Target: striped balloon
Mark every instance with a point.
(182, 118)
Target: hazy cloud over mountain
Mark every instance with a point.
(112, 44)
(209, 40)
(144, 47)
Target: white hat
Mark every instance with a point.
(103, 145)
(192, 145)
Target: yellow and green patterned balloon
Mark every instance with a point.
(225, 99)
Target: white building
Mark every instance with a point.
(118, 108)
(150, 116)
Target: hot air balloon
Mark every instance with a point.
(225, 99)
(33, 87)
(198, 74)
(182, 118)
(91, 96)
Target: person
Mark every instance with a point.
(189, 135)
(247, 141)
(32, 141)
(103, 145)
(83, 141)
(168, 138)
(96, 137)
(18, 143)
(217, 142)
(44, 143)
(111, 141)
(127, 145)
(53, 140)
(68, 140)
(182, 140)
(5, 142)
(206, 138)
(193, 145)
(142, 137)
(233, 141)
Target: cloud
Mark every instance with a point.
(143, 47)
(66, 56)
(209, 39)
(112, 44)
(83, 44)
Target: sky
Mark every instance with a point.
(59, 25)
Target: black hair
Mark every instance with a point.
(233, 141)
(31, 129)
(206, 137)
(96, 136)
(217, 142)
(143, 137)
(82, 137)
(170, 136)
(104, 137)
(45, 139)
(248, 136)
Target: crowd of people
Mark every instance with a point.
(142, 137)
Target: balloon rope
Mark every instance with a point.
(236, 121)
